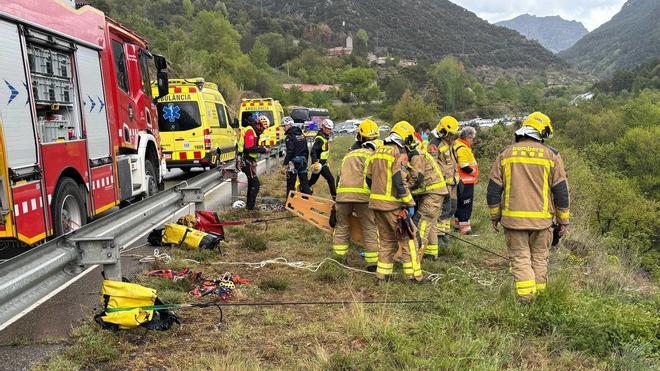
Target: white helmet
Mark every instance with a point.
(238, 205)
(286, 121)
(327, 123)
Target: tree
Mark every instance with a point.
(531, 94)
(259, 54)
(361, 43)
(221, 8)
(413, 109)
(279, 48)
(360, 83)
(395, 87)
(450, 78)
(188, 8)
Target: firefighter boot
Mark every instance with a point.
(464, 228)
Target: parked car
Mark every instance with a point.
(384, 128)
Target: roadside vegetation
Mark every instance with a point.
(599, 312)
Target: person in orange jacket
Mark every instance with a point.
(468, 170)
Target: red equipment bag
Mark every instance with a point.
(209, 221)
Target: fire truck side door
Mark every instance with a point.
(140, 85)
(126, 105)
(91, 89)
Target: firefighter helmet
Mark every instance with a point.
(541, 123)
(288, 121)
(403, 134)
(328, 124)
(368, 130)
(449, 124)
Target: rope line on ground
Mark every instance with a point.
(478, 277)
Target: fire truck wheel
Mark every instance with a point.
(152, 178)
(69, 211)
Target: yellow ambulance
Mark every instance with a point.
(274, 135)
(195, 127)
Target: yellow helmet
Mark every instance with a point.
(541, 123)
(368, 130)
(406, 132)
(449, 124)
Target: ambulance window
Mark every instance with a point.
(222, 115)
(144, 73)
(245, 116)
(120, 65)
(178, 116)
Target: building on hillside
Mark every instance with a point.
(307, 88)
(407, 62)
(582, 98)
(339, 51)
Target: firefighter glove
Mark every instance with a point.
(316, 167)
(411, 212)
(333, 217)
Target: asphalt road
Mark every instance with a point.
(43, 332)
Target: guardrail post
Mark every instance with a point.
(235, 191)
(193, 195)
(100, 250)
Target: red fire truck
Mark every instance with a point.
(79, 128)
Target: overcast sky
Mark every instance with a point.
(592, 13)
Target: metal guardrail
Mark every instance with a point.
(36, 275)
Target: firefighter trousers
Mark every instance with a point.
(529, 251)
(428, 210)
(300, 174)
(327, 175)
(253, 183)
(464, 208)
(449, 204)
(342, 234)
(390, 242)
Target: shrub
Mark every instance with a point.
(595, 324)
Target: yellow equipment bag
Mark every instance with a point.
(129, 305)
(127, 295)
(193, 239)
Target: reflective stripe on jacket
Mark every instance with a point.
(352, 185)
(465, 157)
(443, 151)
(241, 142)
(432, 178)
(528, 187)
(325, 147)
(388, 191)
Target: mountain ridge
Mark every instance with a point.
(630, 38)
(553, 32)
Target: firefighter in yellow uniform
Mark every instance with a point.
(353, 196)
(441, 147)
(527, 190)
(429, 189)
(393, 204)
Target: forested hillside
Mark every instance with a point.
(554, 33)
(631, 37)
(427, 30)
